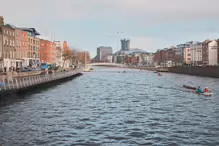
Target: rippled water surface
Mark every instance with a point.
(106, 107)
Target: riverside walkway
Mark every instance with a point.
(17, 83)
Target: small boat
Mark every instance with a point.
(206, 93)
(159, 74)
(194, 90)
(189, 87)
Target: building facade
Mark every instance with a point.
(180, 52)
(187, 55)
(125, 45)
(147, 59)
(1, 43)
(66, 49)
(217, 51)
(47, 51)
(9, 47)
(213, 53)
(83, 57)
(196, 53)
(103, 51)
(205, 59)
(24, 53)
(33, 45)
(58, 44)
(58, 53)
(19, 47)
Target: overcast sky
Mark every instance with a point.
(86, 24)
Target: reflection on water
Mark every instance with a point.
(106, 107)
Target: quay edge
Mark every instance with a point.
(202, 71)
(38, 82)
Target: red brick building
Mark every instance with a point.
(170, 54)
(157, 57)
(83, 57)
(161, 56)
(47, 51)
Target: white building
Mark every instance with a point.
(58, 44)
(58, 53)
(212, 53)
(196, 53)
(109, 58)
(147, 59)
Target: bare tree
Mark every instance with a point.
(73, 55)
(66, 56)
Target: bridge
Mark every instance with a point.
(106, 64)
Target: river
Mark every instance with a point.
(109, 108)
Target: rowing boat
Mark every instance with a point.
(189, 87)
(194, 90)
(205, 93)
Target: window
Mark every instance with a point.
(10, 32)
(13, 43)
(10, 43)
(13, 33)
(7, 32)
(4, 31)
(42, 56)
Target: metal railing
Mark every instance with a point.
(15, 83)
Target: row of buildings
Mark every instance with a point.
(104, 52)
(21, 47)
(191, 53)
(125, 55)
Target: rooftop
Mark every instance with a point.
(30, 30)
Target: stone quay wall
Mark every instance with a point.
(208, 71)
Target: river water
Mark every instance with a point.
(106, 107)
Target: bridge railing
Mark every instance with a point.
(14, 83)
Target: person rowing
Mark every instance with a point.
(199, 90)
(206, 90)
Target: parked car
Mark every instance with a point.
(27, 69)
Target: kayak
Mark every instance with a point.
(188, 87)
